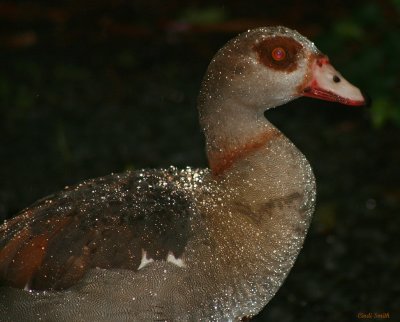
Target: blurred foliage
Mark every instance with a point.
(373, 44)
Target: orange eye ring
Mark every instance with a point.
(278, 54)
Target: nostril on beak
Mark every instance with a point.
(336, 79)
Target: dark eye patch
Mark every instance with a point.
(291, 47)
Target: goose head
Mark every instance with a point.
(261, 69)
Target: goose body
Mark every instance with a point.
(183, 245)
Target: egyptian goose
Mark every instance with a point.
(193, 244)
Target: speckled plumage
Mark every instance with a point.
(177, 245)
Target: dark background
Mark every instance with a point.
(93, 87)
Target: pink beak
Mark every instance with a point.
(328, 84)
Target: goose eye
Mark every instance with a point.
(278, 54)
